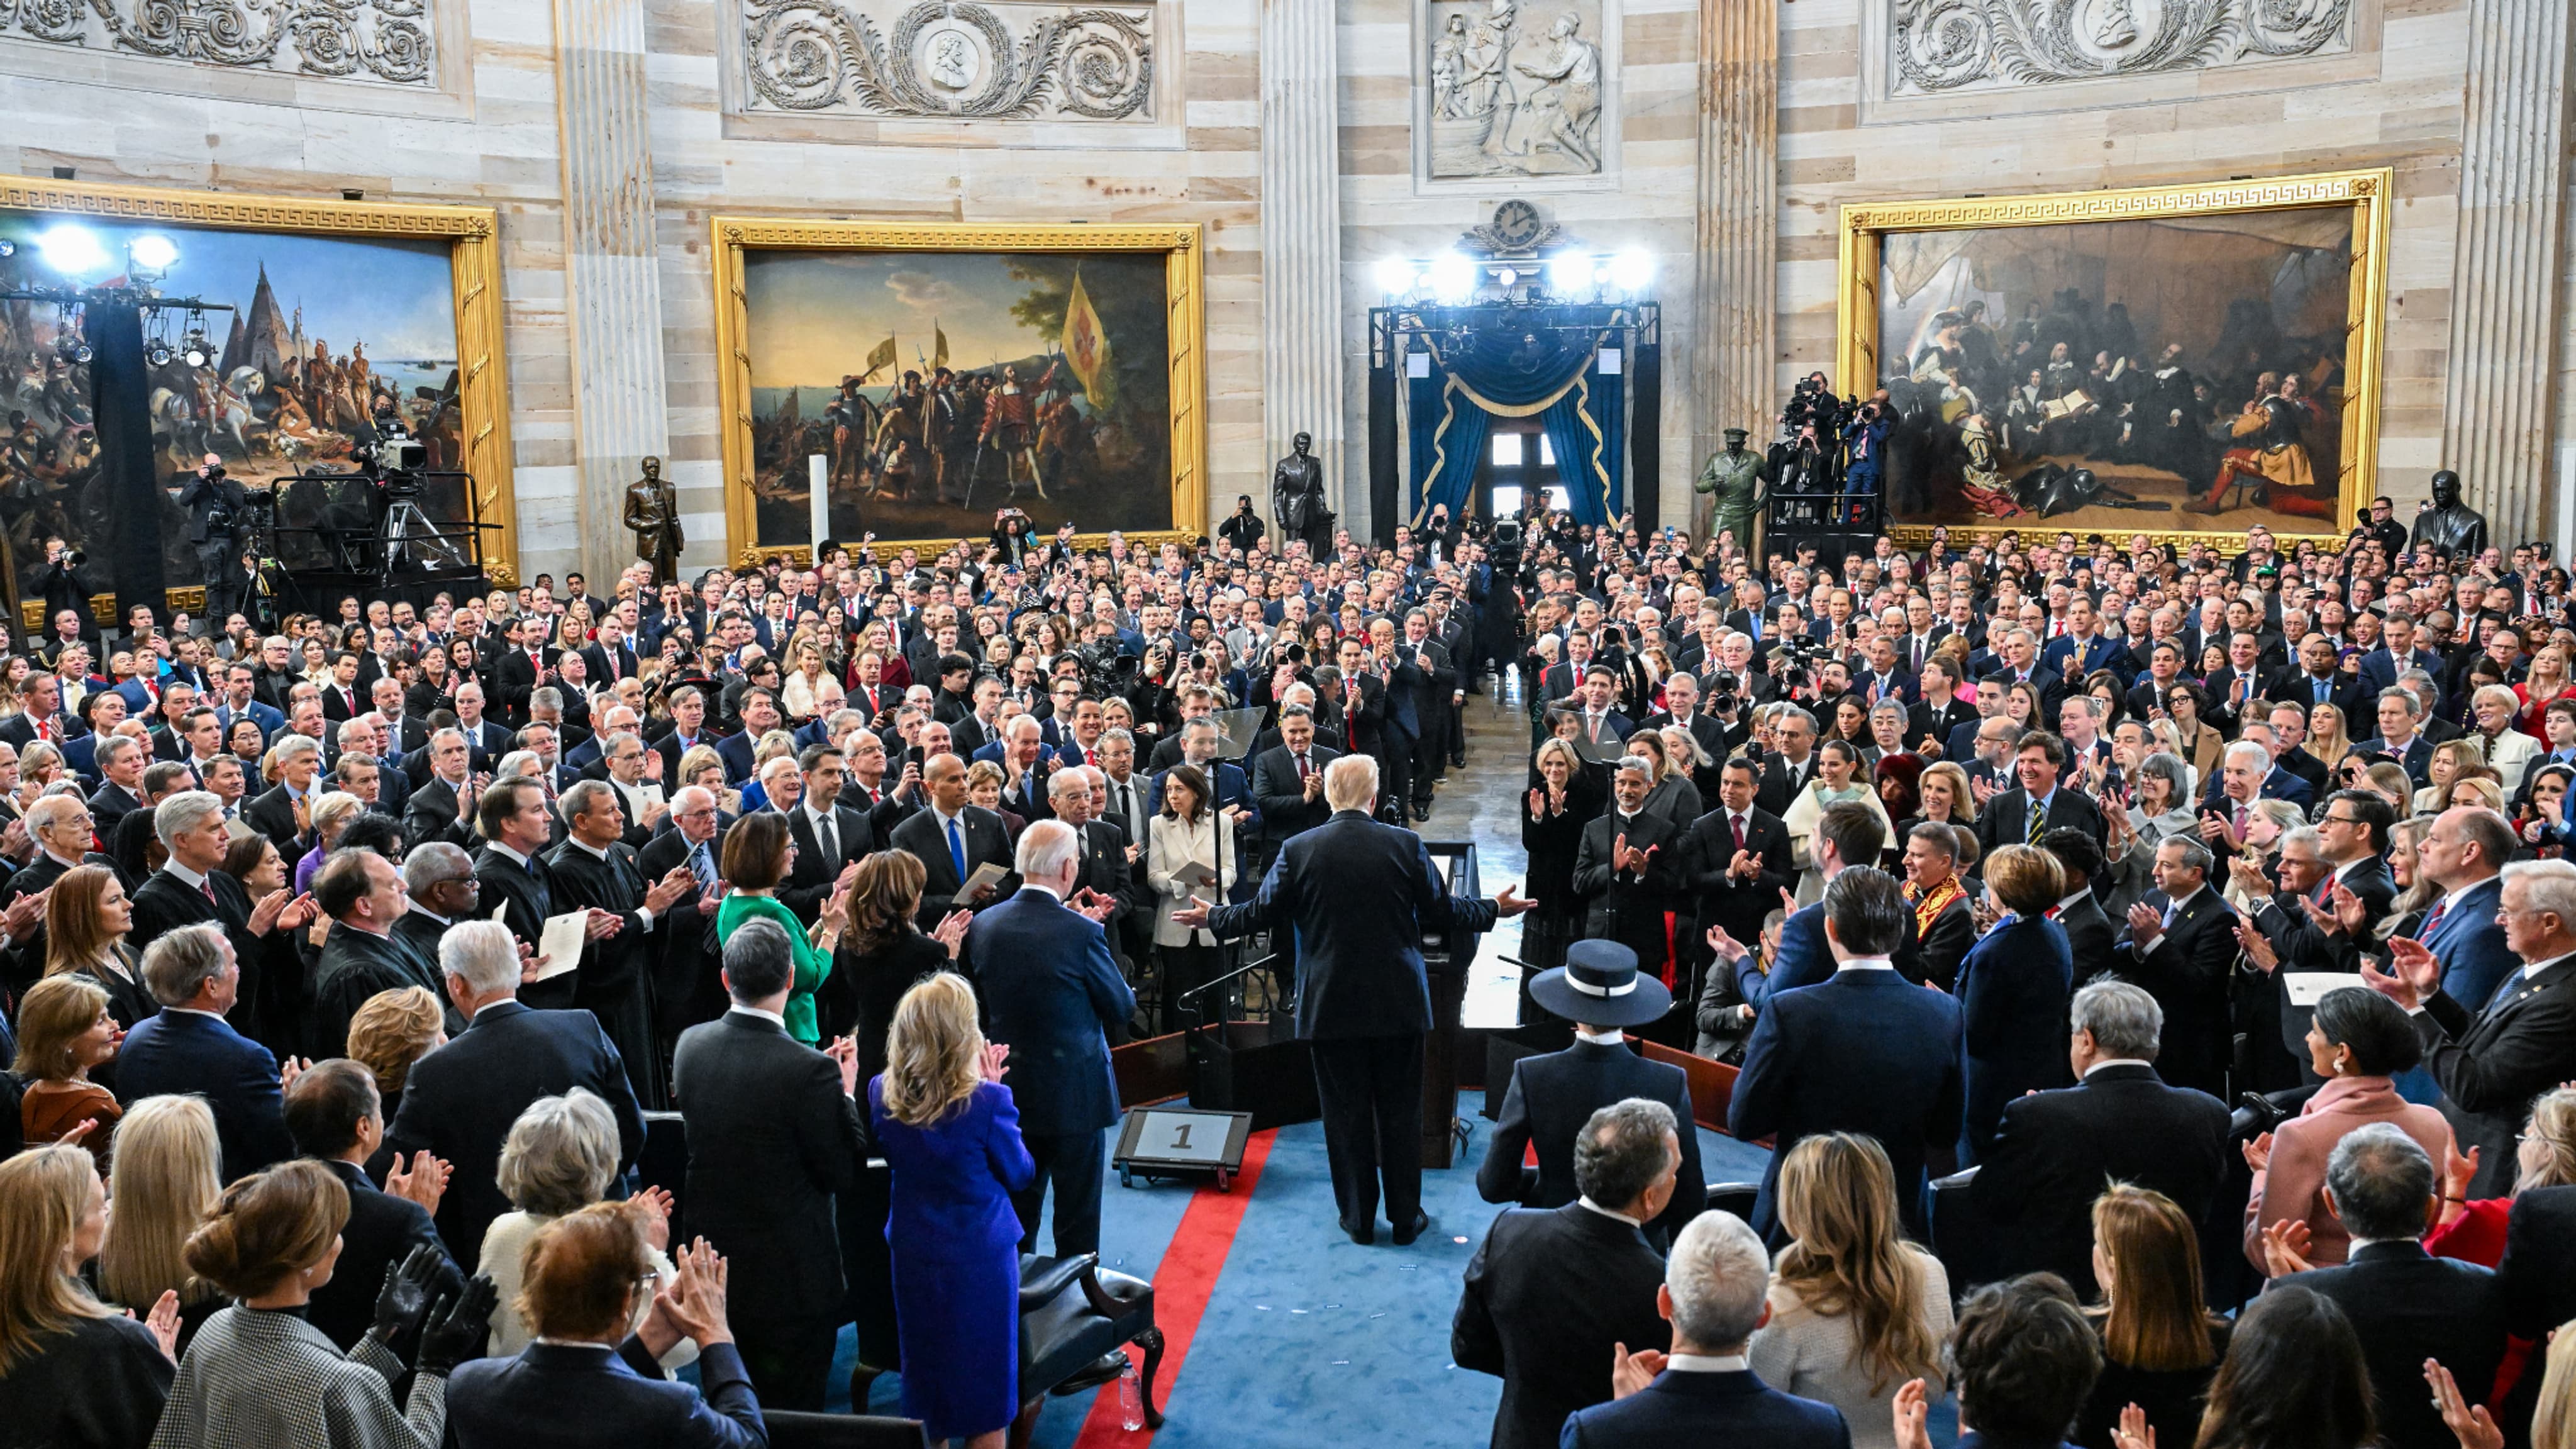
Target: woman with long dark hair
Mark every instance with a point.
(2293, 1378)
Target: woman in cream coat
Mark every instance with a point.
(1181, 861)
(1838, 778)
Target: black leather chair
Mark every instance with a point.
(1734, 1197)
(791, 1430)
(1072, 1341)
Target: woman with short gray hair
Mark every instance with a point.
(559, 1158)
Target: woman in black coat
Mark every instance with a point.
(1562, 799)
(882, 954)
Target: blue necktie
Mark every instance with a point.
(957, 850)
(2321, 691)
(703, 867)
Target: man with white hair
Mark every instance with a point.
(1715, 1294)
(1053, 996)
(1359, 896)
(460, 1100)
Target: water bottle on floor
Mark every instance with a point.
(1131, 1398)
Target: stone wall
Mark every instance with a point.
(2393, 99)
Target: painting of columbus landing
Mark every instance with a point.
(326, 336)
(2195, 370)
(940, 386)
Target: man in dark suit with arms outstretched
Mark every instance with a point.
(1359, 896)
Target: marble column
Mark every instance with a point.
(1736, 290)
(612, 276)
(1301, 253)
(2498, 408)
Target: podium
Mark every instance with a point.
(1261, 1067)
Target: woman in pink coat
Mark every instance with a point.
(2357, 1041)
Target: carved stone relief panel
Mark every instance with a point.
(1936, 47)
(390, 41)
(1516, 88)
(947, 59)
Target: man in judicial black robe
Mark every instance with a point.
(516, 878)
(363, 895)
(594, 868)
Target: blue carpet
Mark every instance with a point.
(1309, 1338)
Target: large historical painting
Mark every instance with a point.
(938, 386)
(327, 337)
(2182, 370)
(1516, 88)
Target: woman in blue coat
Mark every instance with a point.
(2013, 990)
(947, 1126)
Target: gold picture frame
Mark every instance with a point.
(1184, 295)
(2366, 194)
(474, 262)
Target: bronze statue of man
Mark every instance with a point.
(2449, 525)
(1297, 498)
(1733, 481)
(653, 514)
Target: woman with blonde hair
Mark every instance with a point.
(390, 1033)
(86, 921)
(2013, 991)
(947, 1125)
(1563, 798)
(64, 1032)
(2450, 760)
(801, 696)
(2329, 737)
(2471, 790)
(40, 763)
(330, 813)
(2473, 1229)
(701, 766)
(984, 780)
(165, 1180)
(2160, 1343)
(73, 1371)
(1856, 1311)
(261, 1374)
(1943, 794)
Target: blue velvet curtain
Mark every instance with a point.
(1501, 373)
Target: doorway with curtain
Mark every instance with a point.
(1519, 471)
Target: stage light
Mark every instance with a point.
(8, 249)
(1507, 276)
(1568, 273)
(158, 354)
(1396, 277)
(153, 252)
(195, 357)
(1631, 271)
(73, 251)
(1453, 277)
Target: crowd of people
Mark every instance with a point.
(2162, 948)
(879, 858)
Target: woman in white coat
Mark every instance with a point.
(1181, 861)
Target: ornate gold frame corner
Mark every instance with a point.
(474, 261)
(1185, 300)
(2368, 194)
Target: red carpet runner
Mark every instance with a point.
(1182, 1285)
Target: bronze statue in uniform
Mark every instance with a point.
(653, 514)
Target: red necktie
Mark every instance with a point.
(1739, 831)
(208, 886)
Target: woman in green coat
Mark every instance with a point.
(757, 853)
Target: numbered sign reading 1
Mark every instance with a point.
(1178, 1141)
(1183, 1137)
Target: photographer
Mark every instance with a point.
(216, 508)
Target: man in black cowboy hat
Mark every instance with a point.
(1600, 989)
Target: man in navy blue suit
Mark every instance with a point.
(1705, 1391)
(2088, 650)
(1867, 1051)
(2465, 854)
(1358, 895)
(461, 1099)
(1845, 833)
(188, 1047)
(1053, 994)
